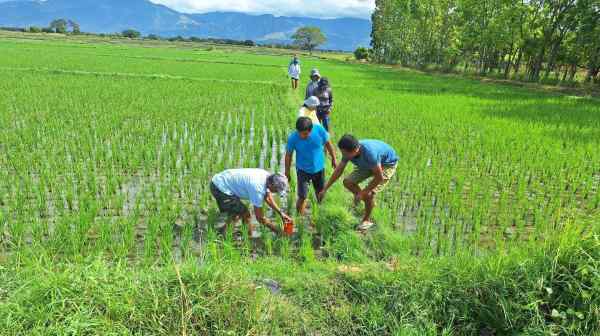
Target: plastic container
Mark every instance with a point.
(288, 228)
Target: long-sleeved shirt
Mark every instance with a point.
(311, 88)
(294, 71)
(325, 100)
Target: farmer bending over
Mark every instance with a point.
(309, 109)
(256, 185)
(308, 141)
(371, 158)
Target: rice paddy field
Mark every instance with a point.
(107, 226)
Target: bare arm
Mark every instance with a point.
(271, 202)
(288, 165)
(337, 173)
(377, 179)
(260, 217)
(331, 151)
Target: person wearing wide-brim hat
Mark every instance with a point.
(312, 86)
(309, 109)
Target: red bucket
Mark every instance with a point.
(288, 228)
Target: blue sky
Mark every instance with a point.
(312, 8)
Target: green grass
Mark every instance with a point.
(549, 289)
(106, 150)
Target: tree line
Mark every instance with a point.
(61, 26)
(305, 38)
(533, 40)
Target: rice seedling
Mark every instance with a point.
(112, 160)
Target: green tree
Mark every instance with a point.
(59, 26)
(308, 38)
(75, 28)
(131, 33)
(536, 40)
(361, 53)
(62, 26)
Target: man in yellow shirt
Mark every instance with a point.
(309, 109)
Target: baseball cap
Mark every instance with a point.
(312, 101)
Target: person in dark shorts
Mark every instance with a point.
(231, 186)
(309, 142)
(373, 159)
(325, 95)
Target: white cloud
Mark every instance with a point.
(311, 8)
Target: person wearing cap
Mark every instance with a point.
(373, 159)
(309, 142)
(313, 84)
(309, 109)
(232, 186)
(325, 96)
(295, 59)
(294, 71)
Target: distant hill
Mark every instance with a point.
(107, 16)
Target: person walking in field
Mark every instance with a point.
(256, 185)
(325, 95)
(372, 159)
(309, 142)
(294, 72)
(312, 86)
(309, 109)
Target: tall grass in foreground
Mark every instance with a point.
(535, 290)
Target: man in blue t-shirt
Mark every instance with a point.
(371, 158)
(308, 141)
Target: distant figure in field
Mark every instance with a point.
(372, 159)
(312, 86)
(325, 95)
(256, 185)
(309, 109)
(294, 71)
(309, 142)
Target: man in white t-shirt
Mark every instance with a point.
(232, 186)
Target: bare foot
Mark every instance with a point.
(365, 226)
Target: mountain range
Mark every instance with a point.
(109, 16)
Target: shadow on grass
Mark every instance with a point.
(412, 81)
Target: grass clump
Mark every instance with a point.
(552, 290)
